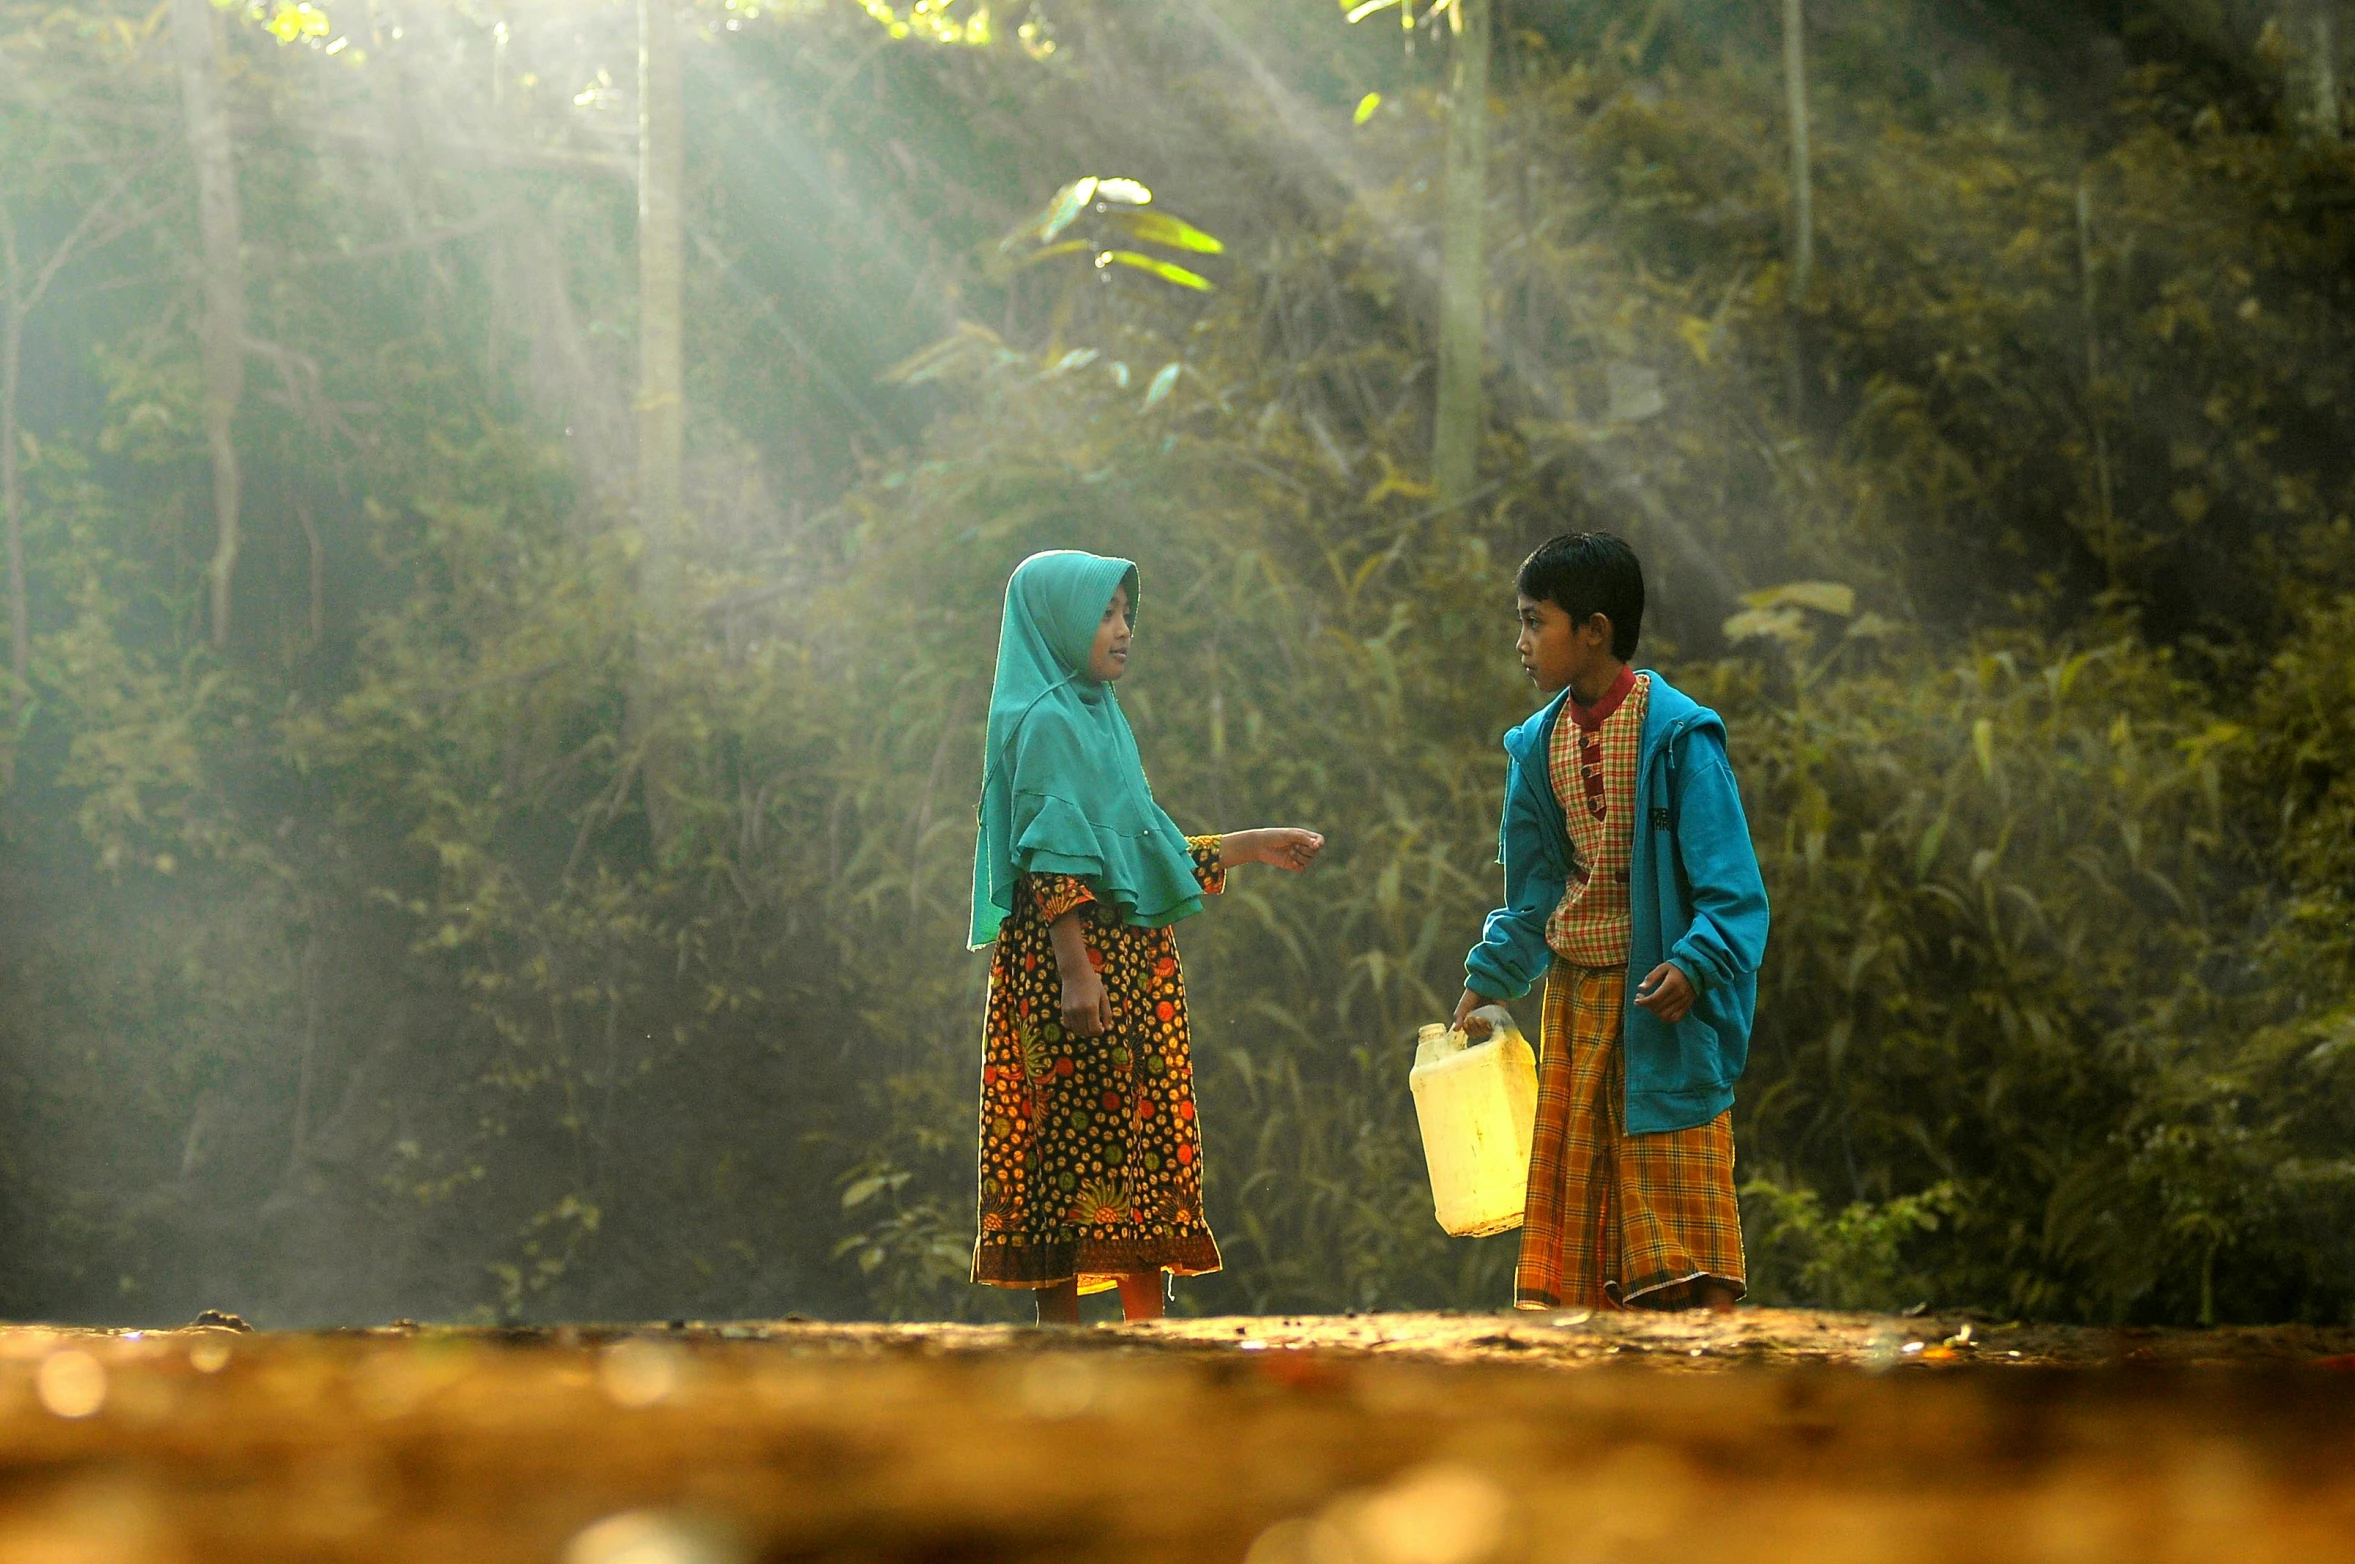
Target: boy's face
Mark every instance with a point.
(1556, 653)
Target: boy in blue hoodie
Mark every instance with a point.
(1631, 887)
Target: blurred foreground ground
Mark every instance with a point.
(1392, 1439)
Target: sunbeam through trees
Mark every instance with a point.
(508, 504)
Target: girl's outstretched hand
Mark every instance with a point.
(1283, 846)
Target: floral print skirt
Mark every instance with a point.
(1091, 1154)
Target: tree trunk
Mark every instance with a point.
(1802, 174)
(12, 499)
(2318, 46)
(20, 293)
(318, 548)
(1802, 230)
(310, 982)
(2106, 517)
(196, 27)
(661, 405)
(1463, 275)
(661, 397)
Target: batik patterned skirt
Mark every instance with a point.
(1615, 1219)
(1091, 1154)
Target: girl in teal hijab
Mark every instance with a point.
(1091, 1152)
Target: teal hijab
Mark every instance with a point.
(1063, 789)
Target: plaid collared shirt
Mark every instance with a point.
(1592, 764)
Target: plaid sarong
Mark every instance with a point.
(1614, 1219)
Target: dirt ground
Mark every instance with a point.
(1385, 1439)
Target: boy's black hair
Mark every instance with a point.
(1585, 574)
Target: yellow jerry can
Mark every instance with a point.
(1477, 1104)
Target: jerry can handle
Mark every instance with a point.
(1491, 1017)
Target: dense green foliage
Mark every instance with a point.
(470, 939)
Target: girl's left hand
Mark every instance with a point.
(1284, 847)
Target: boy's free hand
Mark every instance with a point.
(1667, 993)
(1282, 847)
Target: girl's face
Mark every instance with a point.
(1108, 658)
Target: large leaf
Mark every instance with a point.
(969, 342)
(1060, 213)
(1161, 228)
(1825, 597)
(1779, 624)
(1067, 247)
(1164, 270)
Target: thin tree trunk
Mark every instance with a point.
(311, 978)
(1455, 456)
(661, 403)
(951, 730)
(2106, 513)
(1802, 232)
(2320, 46)
(318, 547)
(12, 499)
(19, 297)
(196, 26)
(1802, 171)
(661, 394)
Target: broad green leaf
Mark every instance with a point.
(1825, 597)
(2066, 678)
(1926, 853)
(1366, 107)
(1695, 333)
(290, 20)
(2200, 746)
(1869, 626)
(968, 340)
(923, 364)
(1067, 247)
(1164, 270)
(1175, 232)
(1780, 624)
(1069, 202)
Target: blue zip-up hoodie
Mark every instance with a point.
(1697, 899)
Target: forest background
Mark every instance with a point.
(430, 890)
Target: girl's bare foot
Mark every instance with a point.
(1140, 1297)
(1059, 1304)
